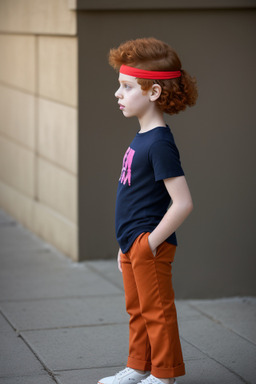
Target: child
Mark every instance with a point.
(151, 83)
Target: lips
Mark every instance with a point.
(121, 106)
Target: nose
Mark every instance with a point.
(118, 94)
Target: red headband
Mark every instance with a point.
(153, 75)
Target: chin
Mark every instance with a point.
(127, 114)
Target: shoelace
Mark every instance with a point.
(120, 374)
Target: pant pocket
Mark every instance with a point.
(143, 247)
(165, 251)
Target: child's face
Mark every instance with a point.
(131, 99)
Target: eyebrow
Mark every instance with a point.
(125, 81)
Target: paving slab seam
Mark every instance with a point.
(115, 368)
(195, 358)
(58, 381)
(58, 371)
(9, 322)
(61, 298)
(217, 362)
(95, 270)
(72, 327)
(19, 335)
(220, 323)
(13, 376)
(39, 358)
(204, 314)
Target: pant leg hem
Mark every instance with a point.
(138, 364)
(165, 373)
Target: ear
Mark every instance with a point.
(155, 92)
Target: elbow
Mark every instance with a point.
(190, 207)
(185, 207)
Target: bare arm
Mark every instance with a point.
(119, 264)
(181, 207)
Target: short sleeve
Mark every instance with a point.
(165, 160)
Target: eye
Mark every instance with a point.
(127, 86)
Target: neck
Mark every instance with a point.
(151, 121)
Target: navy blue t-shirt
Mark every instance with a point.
(142, 199)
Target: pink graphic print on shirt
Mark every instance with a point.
(126, 173)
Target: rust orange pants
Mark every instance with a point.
(154, 343)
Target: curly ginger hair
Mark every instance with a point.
(155, 55)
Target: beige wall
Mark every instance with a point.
(38, 118)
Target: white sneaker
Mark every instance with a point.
(152, 380)
(126, 376)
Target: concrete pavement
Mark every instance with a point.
(64, 322)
